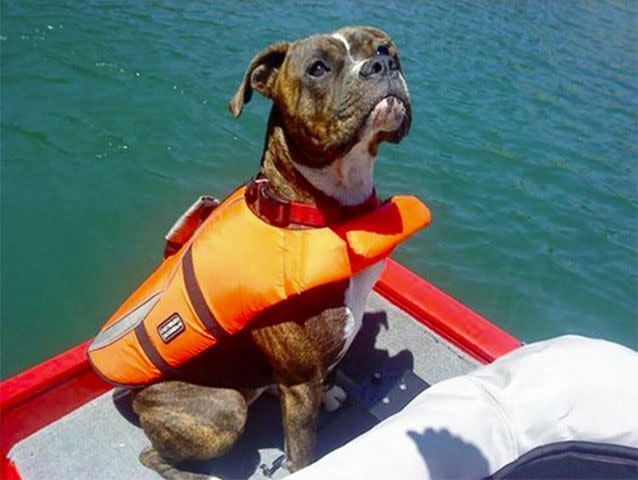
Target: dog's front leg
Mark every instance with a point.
(300, 406)
(299, 373)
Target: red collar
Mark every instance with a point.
(282, 213)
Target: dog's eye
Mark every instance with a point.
(318, 69)
(383, 50)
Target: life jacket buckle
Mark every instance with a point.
(277, 209)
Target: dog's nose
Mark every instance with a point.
(379, 66)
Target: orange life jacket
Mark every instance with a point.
(234, 267)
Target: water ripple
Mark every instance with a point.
(524, 143)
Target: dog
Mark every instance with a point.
(335, 98)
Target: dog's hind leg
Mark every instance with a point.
(153, 460)
(186, 422)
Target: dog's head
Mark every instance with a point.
(331, 91)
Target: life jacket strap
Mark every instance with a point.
(197, 299)
(152, 353)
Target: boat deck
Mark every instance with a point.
(393, 359)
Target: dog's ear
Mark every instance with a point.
(260, 76)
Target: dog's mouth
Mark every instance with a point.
(389, 118)
(389, 114)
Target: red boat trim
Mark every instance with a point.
(444, 314)
(41, 395)
(9, 470)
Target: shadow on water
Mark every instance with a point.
(443, 452)
(361, 412)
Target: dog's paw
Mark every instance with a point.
(333, 398)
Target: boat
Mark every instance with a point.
(60, 420)
(533, 413)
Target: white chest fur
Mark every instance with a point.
(355, 302)
(349, 179)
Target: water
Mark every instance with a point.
(524, 144)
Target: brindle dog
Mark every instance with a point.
(335, 97)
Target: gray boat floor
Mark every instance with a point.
(102, 439)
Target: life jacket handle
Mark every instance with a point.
(188, 223)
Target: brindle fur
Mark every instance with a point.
(311, 123)
(194, 420)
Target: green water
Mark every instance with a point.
(524, 144)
